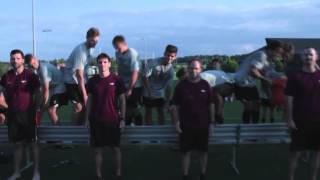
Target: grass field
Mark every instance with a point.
(256, 162)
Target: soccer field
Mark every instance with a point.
(256, 162)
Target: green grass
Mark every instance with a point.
(256, 162)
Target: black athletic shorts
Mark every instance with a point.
(153, 103)
(102, 135)
(135, 99)
(73, 93)
(306, 137)
(225, 89)
(247, 93)
(21, 126)
(58, 100)
(265, 102)
(194, 139)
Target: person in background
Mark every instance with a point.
(52, 83)
(128, 69)
(157, 79)
(75, 73)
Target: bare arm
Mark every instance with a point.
(134, 78)
(146, 85)
(256, 73)
(81, 84)
(122, 101)
(212, 112)
(288, 112)
(45, 93)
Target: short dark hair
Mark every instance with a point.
(197, 59)
(93, 32)
(118, 39)
(103, 56)
(215, 60)
(17, 51)
(274, 44)
(28, 58)
(181, 72)
(171, 49)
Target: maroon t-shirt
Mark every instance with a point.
(104, 93)
(305, 88)
(194, 101)
(19, 89)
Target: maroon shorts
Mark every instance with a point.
(194, 139)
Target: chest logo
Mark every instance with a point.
(203, 91)
(23, 81)
(111, 84)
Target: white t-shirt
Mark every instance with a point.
(128, 62)
(258, 60)
(217, 77)
(48, 73)
(159, 77)
(78, 59)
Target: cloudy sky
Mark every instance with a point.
(195, 26)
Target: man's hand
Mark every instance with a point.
(129, 93)
(87, 124)
(291, 125)
(2, 119)
(178, 128)
(45, 99)
(122, 125)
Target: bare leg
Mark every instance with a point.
(185, 163)
(160, 115)
(203, 162)
(18, 155)
(98, 156)
(117, 160)
(293, 162)
(315, 165)
(36, 158)
(53, 115)
(148, 116)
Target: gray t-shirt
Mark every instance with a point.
(48, 73)
(128, 62)
(159, 77)
(78, 59)
(258, 60)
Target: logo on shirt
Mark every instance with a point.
(203, 91)
(111, 84)
(23, 81)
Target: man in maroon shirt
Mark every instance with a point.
(106, 116)
(193, 115)
(303, 112)
(20, 85)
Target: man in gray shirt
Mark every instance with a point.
(128, 69)
(256, 66)
(74, 73)
(157, 79)
(51, 79)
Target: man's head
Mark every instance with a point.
(104, 62)
(194, 69)
(310, 56)
(16, 58)
(274, 49)
(182, 74)
(170, 54)
(31, 61)
(215, 64)
(288, 52)
(93, 36)
(119, 43)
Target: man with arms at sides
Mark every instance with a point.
(20, 86)
(51, 79)
(256, 66)
(303, 112)
(75, 73)
(193, 115)
(128, 69)
(157, 79)
(106, 115)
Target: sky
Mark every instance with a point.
(197, 27)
